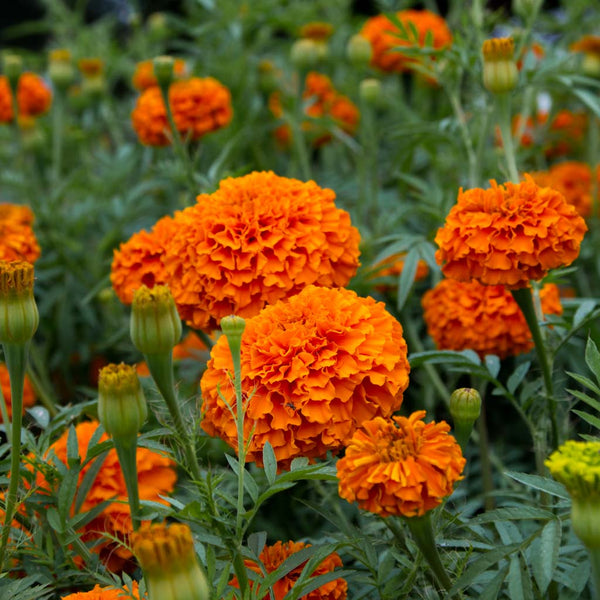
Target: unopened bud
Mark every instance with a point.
(370, 91)
(500, 73)
(19, 317)
(12, 66)
(305, 53)
(359, 50)
(164, 70)
(60, 68)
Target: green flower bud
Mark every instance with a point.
(122, 406)
(61, 70)
(155, 325)
(164, 70)
(158, 26)
(370, 91)
(19, 316)
(500, 73)
(305, 53)
(359, 50)
(465, 405)
(12, 66)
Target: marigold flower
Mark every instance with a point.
(199, 106)
(508, 234)
(156, 477)
(589, 46)
(143, 77)
(273, 556)
(386, 38)
(402, 466)
(91, 67)
(140, 260)
(33, 97)
(18, 242)
(323, 101)
(500, 73)
(316, 366)
(483, 318)
(105, 593)
(29, 396)
(16, 213)
(316, 30)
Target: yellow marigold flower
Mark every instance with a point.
(29, 396)
(500, 73)
(508, 234)
(144, 78)
(402, 466)
(199, 106)
(315, 367)
(33, 97)
(273, 557)
(105, 593)
(463, 315)
(256, 240)
(168, 560)
(386, 38)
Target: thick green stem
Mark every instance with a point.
(504, 123)
(15, 356)
(524, 299)
(127, 453)
(422, 532)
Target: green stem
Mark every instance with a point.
(472, 159)
(5, 419)
(595, 560)
(422, 532)
(57, 136)
(504, 123)
(16, 358)
(484, 456)
(127, 453)
(298, 138)
(41, 392)
(524, 299)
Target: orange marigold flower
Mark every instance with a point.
(29, 396)
(156, 477)
(588, 44)
(199, 105)
(316, 30)
(402, 466)
(143, 77)
(33, 97)
(508, 234)
(17, 239)
(273, 556)
(323, 101)
(91, 67)
(140, 260)
(16, 213)
(105, 593)
(386, 37)
(315, 367)
(257, 239)
(484, 318)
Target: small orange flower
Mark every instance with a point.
(385, 38)
(257, 239)
(29, 396)
(588, 44)
(273, 557)
(323, 101)
(484, 318)
(91, 67)
(143, 77)
(17, 239)
(402, 466)
(140, 260)
(156, 477)
(316, 30)
(105, 593)
(508, 234)
(33, 97)
(315, 367)
(199, 106)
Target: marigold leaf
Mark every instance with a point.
(591, 419)
(407, 277)
(54, 520)
(583, 310)
(256, 542)
(492, 362)
(592, 358)
(519, 580)
(270, 462)
(251, 486)
(544, 554)
(586, 382)
(492, 589)
(517, 376)
(516, 513)
(544, 484)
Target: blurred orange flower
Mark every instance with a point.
(314, 368)
(199, 106)
(156, 477)
(143, 77)
(257, 239)
(17, 239)
(402, 466)
(393, 267)
(323, 101)
(33, 97)
(29, 396)
(508, 234)
(105, 593)
(484, 318)
(273, 557)
(588, 44)
(386, 37)
(140, 260)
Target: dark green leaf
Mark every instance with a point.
(270, 463)
(540, 483)
(544, 554)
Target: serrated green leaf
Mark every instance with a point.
(234, 463)
(517, 513)
(544, 554)
(583, 310)
(517, 376)
(592, 358)
(491, 591)
(595, 404)
(591, 419)
(54, 520)
(257, 541)
(270, 463)
(519, 580)
(251, 486)
(407, 277)
(544, 484)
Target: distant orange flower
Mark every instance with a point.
(588, 44)
(29, 396)
(324, 101)
(190, 347)
(17, 239)
(508, 234)
(316, 30)
(273, 556)
(140, 260)
(91, 67)
(199, 105)
(386, 37)
(105, 593)
(315, 366)
(156, 477)
(16, 213)
(483, 318)
(402, 466)
(33, 97)
(257, 239)
(143, 77)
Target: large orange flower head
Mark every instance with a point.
(33, 97)
(257, 239)
(272, 557)
(156, 478)
(508, 234)
(484, 318)
(401, 467)
(199, 105)
(17, 239)
(144, 78)
(29, 396)
(105, 593)
(386, 37)
(314, 367)
(140, 260)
